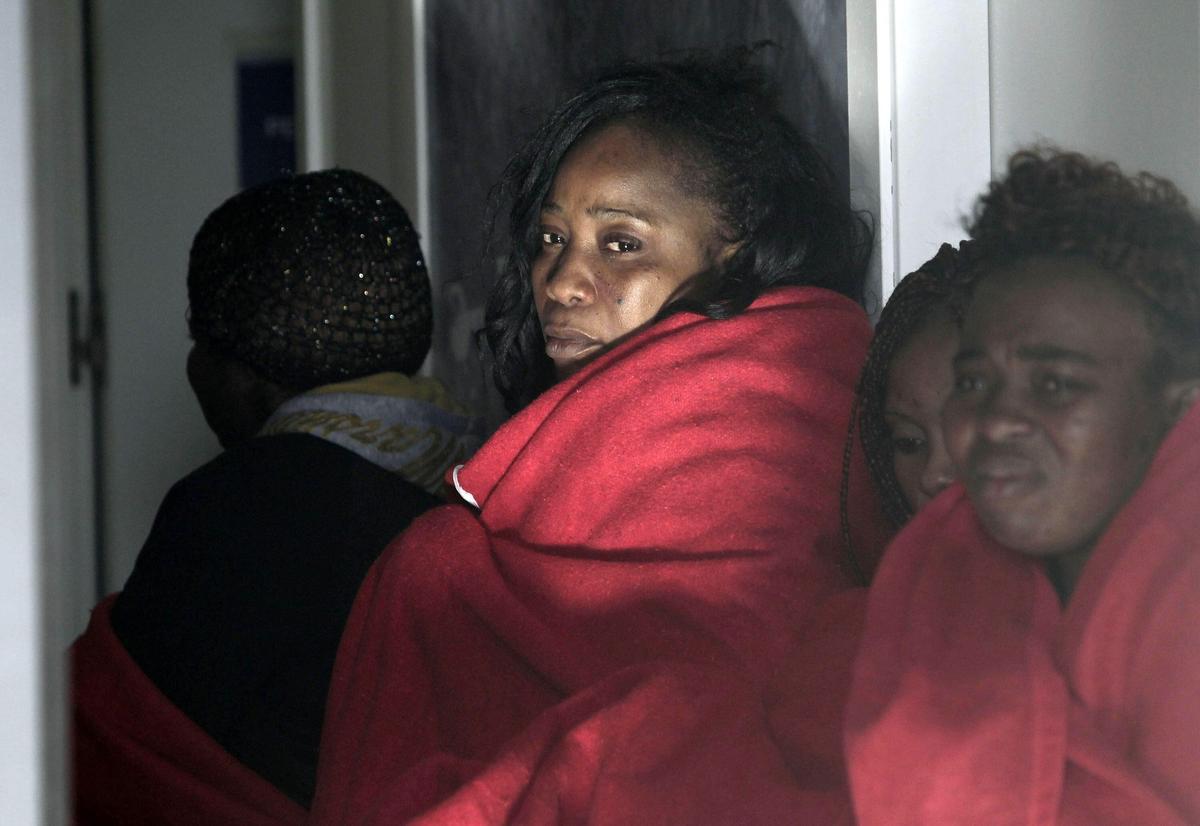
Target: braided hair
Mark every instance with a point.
(920, 297)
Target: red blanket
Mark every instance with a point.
(648, 620)
(977, 700)
(139, 760)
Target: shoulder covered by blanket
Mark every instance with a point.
(977, 699)
(653, 582)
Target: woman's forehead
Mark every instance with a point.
(1051, 290)
(618, 169)
(1038, 305)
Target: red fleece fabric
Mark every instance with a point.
(140, 760)
(648, 619)
(978, 700)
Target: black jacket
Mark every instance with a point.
(238, 599)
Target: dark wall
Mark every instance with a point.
(495, 68)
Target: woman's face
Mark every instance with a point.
(1052, 420)
(919, 382)
(620, 238)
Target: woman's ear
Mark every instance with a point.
(726, 252)
(1179, 397)
(235, 400)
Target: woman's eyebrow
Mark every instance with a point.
(1033, 352)
(1055, 352)
(967, 354)
(602, 211)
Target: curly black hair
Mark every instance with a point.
(311, 279)
(1137, 228)
(772, 192)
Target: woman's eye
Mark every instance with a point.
(967, 383)
(907, 445)
(552, 239)
(1056, 387)
(622, 244)
(1051, 384)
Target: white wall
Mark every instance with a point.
(374, 82)
(31, 764)
(1113, 78)
(863, 112)
(20, 648)
(923, 66)
(941, 137)
(65, 559)
(167, 157)
(960, 84)
(364, 63)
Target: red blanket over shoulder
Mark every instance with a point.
(647, 620)
(140, 760)
(977, 700)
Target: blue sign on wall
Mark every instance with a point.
(266, 100)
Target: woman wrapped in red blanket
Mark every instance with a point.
(1030, 653)
(904, 383)
(645, 616)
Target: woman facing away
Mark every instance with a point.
(199, 690)
(1029, 654)
(644, 614)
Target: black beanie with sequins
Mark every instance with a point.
(311, 279)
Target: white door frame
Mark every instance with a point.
(45, 465)
(401, 160)
(21, 647)
(920, 123)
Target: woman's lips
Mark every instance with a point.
(567, 343)
(1001, 475)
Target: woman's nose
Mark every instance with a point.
(938, 472)
(1001, 418)
(570, 282)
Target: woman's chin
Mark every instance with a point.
(566, 368)
(568, 365)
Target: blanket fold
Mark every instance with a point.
(653, 581)
(132, 739)
(977, 699)
(236, 604)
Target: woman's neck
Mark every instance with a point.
(1065, 569)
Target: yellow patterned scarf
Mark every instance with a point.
(407, 424)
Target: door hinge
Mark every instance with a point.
(87, 347)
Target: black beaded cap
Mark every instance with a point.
(311, 279)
